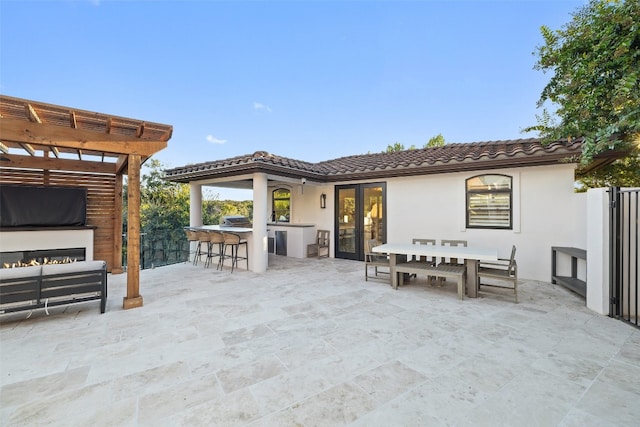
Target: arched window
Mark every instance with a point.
(489, 201)
(281, 205)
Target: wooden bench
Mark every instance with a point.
(29, 288)
(458, 273)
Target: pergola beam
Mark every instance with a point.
(50, 163)
(33, 115)
(72, 120)
(51, 135)
(28, 148)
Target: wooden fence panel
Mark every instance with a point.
(100, 201)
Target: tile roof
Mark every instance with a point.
(422, 161)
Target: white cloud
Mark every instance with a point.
(259, 106)
(212, 139)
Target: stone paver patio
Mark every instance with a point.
(310, 343)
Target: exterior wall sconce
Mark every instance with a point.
(323, 201)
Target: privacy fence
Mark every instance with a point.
(624, 254)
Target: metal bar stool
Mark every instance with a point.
(203, 238)
(216, 240)
(192, 236)
(234, 241)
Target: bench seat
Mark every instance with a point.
(456, 272)
(30, 288)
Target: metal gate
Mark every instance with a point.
(623, 249)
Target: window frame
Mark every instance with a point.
(278, 212)
(498, 191)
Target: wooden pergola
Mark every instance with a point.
(52, 145)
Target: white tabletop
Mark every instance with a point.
(466, 252)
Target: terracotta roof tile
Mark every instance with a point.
(446, 158)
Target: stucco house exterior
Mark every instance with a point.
(492, 194)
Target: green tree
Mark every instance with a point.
(595, 86)
(396, 146)
(164, 205)
(436, 141)
(623, 173)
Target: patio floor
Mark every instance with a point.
(310, 343)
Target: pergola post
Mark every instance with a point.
(133, 298)
(117, 227)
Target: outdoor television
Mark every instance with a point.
(42, 206)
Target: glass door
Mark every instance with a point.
(359, 216)
(346, 242)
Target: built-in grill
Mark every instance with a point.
(237, 221)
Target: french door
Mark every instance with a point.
(360, 215)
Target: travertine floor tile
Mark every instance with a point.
(311, 343)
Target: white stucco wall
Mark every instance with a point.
(597, 213)
(547, 212)
(305, 207)
(544, 206)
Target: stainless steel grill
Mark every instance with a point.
(237, 221)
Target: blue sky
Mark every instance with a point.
(310, 80)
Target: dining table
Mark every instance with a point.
(398, 252)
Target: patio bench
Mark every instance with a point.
(43, 286)
(456, 272)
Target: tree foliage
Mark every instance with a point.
(595, 86)
(396, 146)
(164, 205)
(436, 141)
(622, 173)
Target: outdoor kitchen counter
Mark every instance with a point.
(288, 224)
(298, 236)
(227, 228)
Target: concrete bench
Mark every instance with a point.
(459, 273)
(29, 288)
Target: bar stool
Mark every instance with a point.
(192, 236)
(203, 238)
(234, 241)
(216, 239)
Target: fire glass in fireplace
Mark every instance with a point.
(25, 257)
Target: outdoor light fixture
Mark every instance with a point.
(323, 201)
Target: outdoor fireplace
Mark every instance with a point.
(40, 257)
(39, 222)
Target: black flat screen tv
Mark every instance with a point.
(42, 206)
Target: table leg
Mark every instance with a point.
(392, 270)
(472, 278)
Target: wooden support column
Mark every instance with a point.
(133, 298)
(116, 263)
